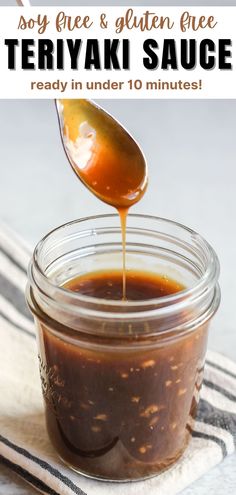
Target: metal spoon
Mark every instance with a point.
(102, 153)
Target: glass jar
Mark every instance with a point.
(121, 380)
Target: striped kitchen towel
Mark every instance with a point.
(24, 445)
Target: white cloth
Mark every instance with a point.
(24, 444)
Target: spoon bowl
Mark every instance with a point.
(102, 153)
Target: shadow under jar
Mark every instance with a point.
(121, 380)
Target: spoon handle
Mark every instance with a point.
(23, 3)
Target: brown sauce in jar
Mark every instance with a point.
(108, 285)
(120, 412)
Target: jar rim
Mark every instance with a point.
(206, 282)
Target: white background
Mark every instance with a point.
(191, 150)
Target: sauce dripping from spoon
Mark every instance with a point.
(104, 156)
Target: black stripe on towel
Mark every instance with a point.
(216, 417)
(15, 296)
(44, 465)
(15, 325)
(213, 438)
(219, 389)
(13, 260)
(30, 478)
(220, 368)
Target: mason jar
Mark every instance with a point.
(121, 379)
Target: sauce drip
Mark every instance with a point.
(105, 158)
(123, 212)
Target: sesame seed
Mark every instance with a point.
(95, 429)
(149, 410)
(101, 417)
(168, 383)
(142, 450)
(148, 364)
(153, 421)
(182, 391)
